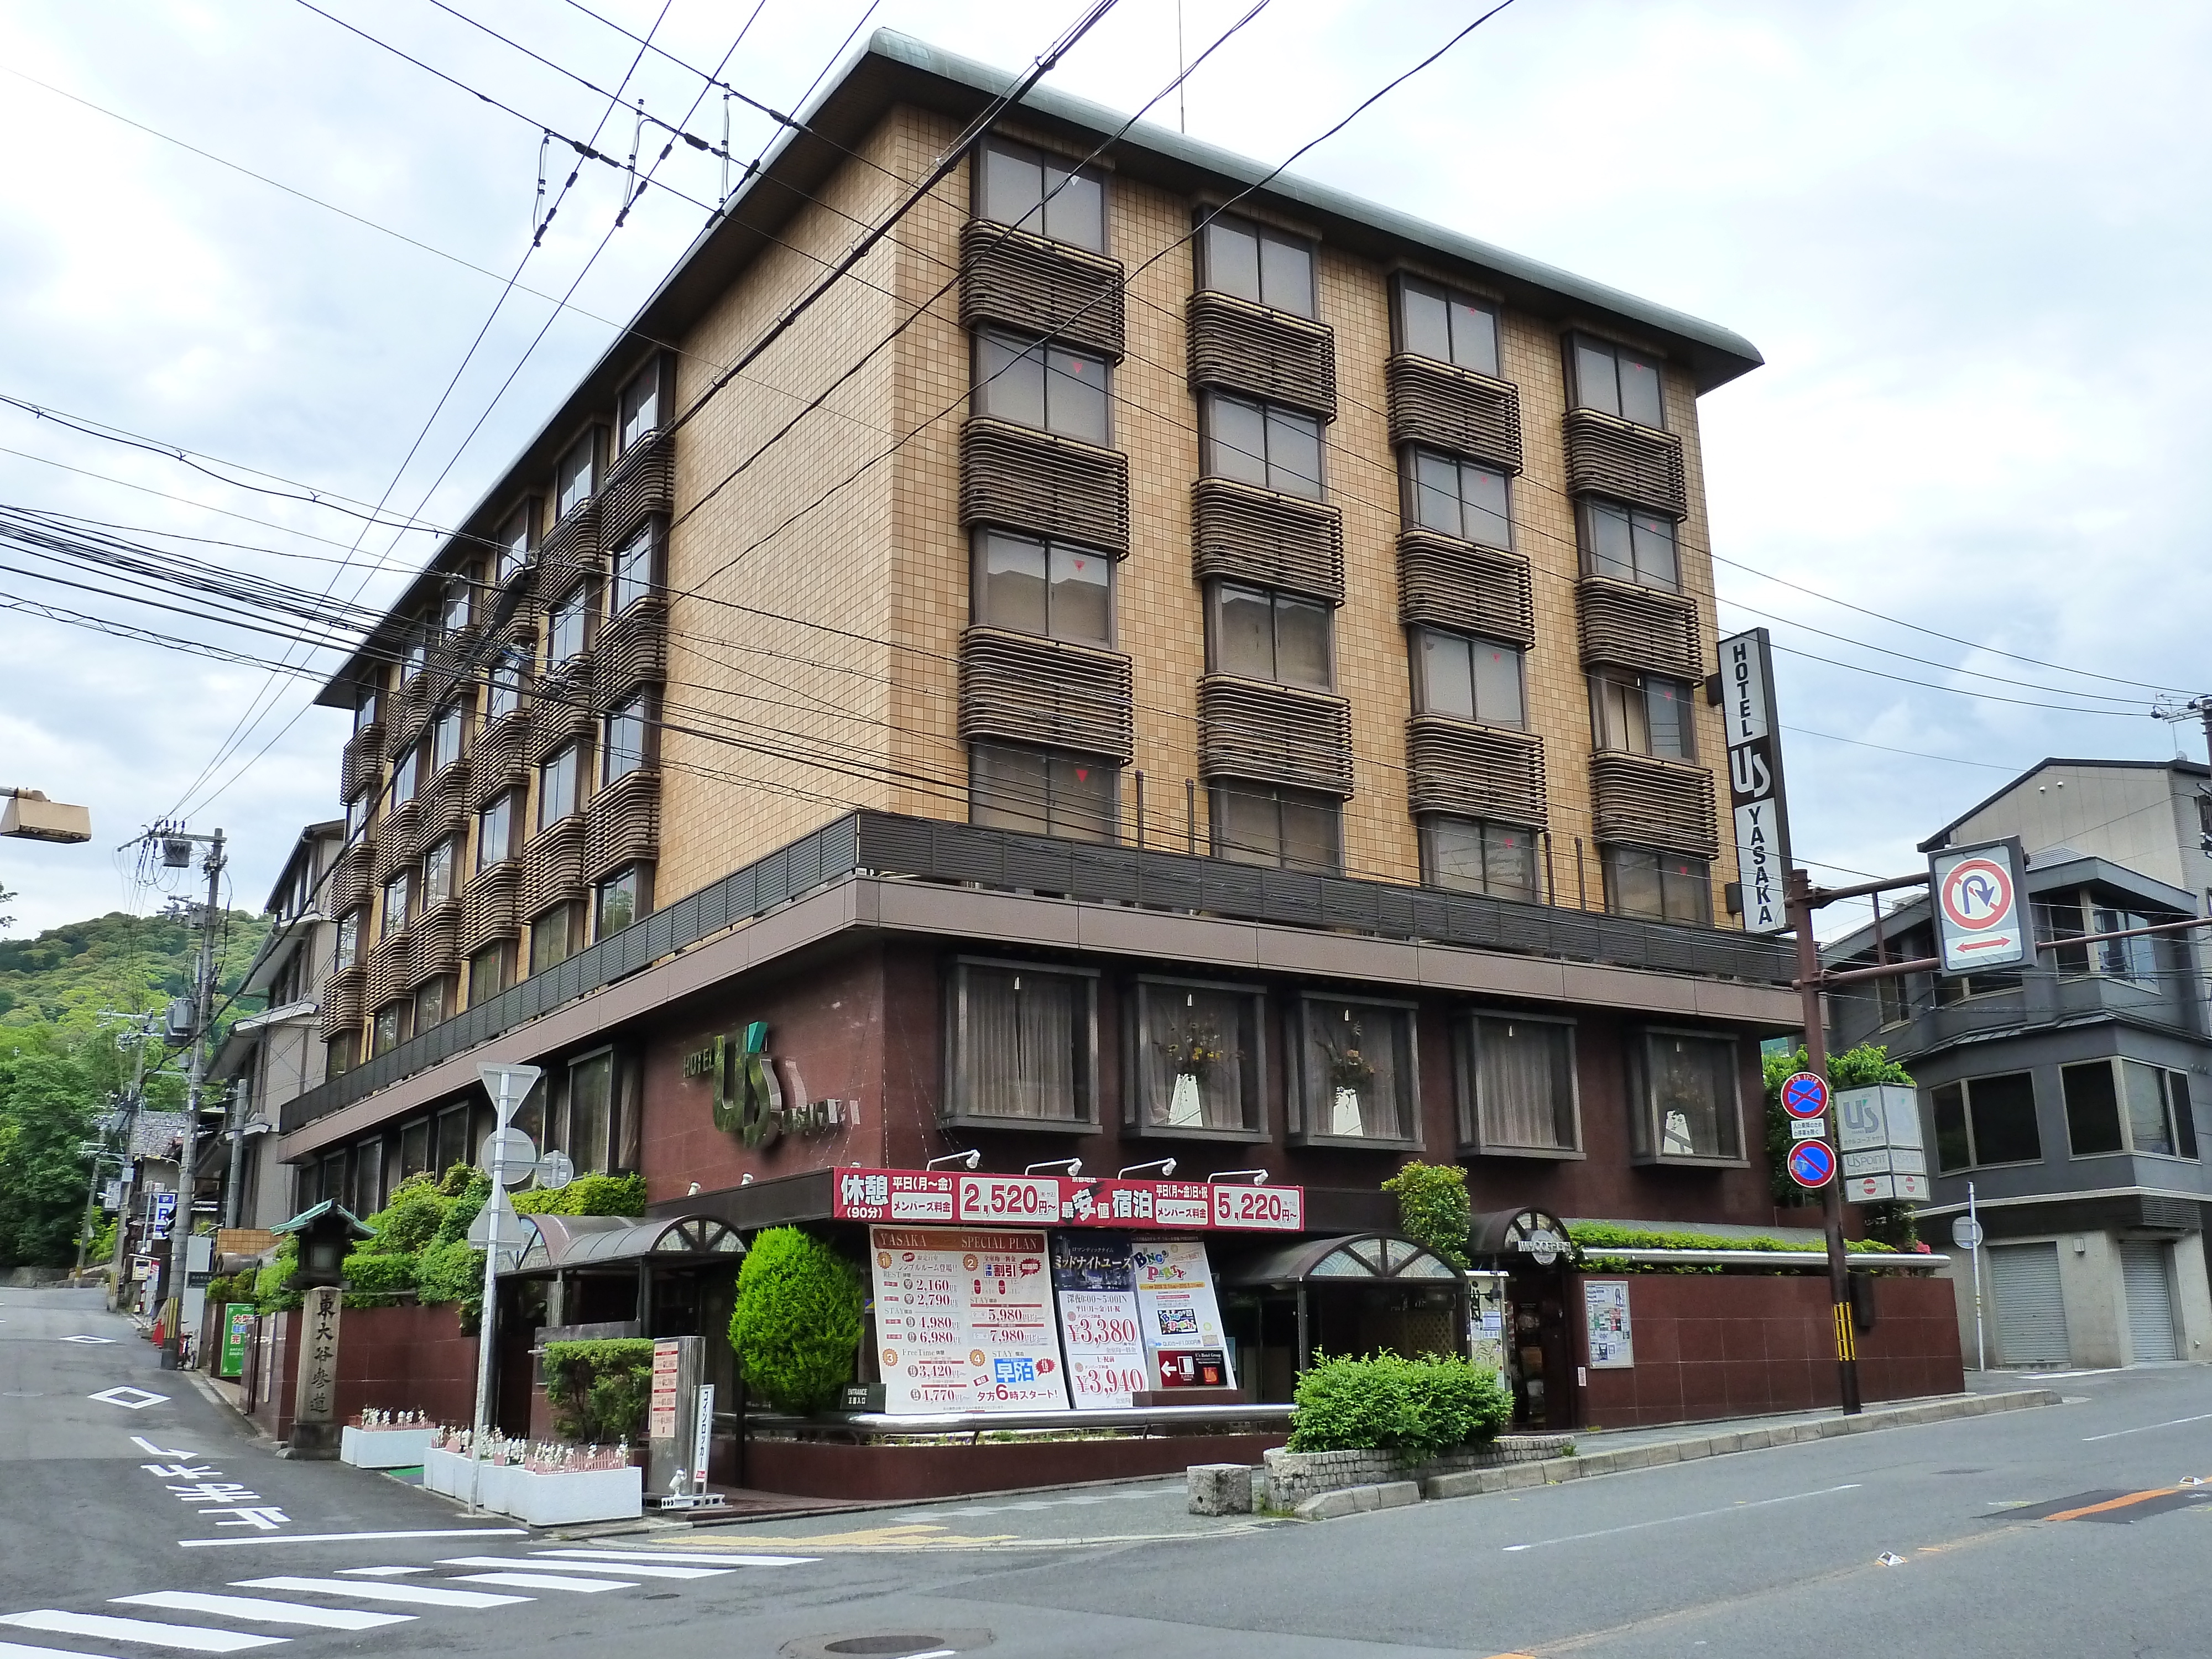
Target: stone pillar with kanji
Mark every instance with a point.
(326, 1234)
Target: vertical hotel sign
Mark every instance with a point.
(1761, 810)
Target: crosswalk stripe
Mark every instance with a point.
(197, 1638)
(642, 1569)
(17, 1650)
(545, 1581)
(262, 1609)
(696, 1557)
(366, 1590)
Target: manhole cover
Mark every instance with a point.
(890, 1644)
(883, 1645)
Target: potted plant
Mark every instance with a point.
(1350, 1075)
(1192, 1053)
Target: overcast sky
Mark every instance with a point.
(1969, 238)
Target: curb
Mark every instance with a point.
(1510, 1477)
(1473, 1482)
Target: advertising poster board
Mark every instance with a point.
(1098, 1328)
(237, 1332)
(964, 1319)
(1176, 1308)
(1612, 1339)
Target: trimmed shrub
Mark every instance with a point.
(378, 1279)
(796, 1329)
(1417, 1408)
(1433, 1208)
(598, 1391)
(413, 1216)
(452, 1271)
(590, 1194)
(270, 1294)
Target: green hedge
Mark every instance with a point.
(598, 1391)
(270, 1294)
(1417, 1408)
(1592, 1237)
(590, 1194)
(796, 1329)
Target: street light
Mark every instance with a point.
(29, 816)
(1164, 1165)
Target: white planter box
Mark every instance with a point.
(384, 1448)
(441, 1470)
(558, 1500)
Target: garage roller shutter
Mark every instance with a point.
(2150, 1299)
(2031, 1313)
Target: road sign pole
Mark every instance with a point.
(508, 1086)
(1981, 1353)
(1799, 899)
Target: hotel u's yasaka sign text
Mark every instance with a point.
(1760, 808)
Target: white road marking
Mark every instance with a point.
(260, 1609)
(146, 1445)
(1669, 1519)
(545, 1581)
(641, 1569)
(17, 1650)
(116, 1396)
(347, 1537)
(381, 1572)
(368, 1590)
(2172, 1423)
(197, 1637)
(87, 1339)
(696, 1558)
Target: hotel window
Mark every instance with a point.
(1050, 588)
(577, 476)
(1468, 855)
(1254, 263)
(1288, 829)
(1262, 444)
(1616, 380)
(404, 770)
(1657, 886)
(564, 625)
(1041, 194)
(1628, 544)
(2133, 959)
(341, 1054)
(437, 873)
(390, 1027)
(1200, 1059)
(1986, 1119)
(622, 751)
(1261, 633)
(347, 950)
(1468, 678)
(632, 578)
(1684, 1102)
(414, 652)
(1517, 1090)
(434, 1003)
(557, 797)
(622, 898)
(504, 691)
(638, 411)
(358, 812)
(583, 1113)
(1642, 714)
(445, 737)
(556, 936)
(1043, 793)
(1452, 327)
(1046, 387)
(1458, 498)
(414, 1147)
(491, 970)
(366, 704)
(514, 540)
(453, 610)
(2160, 1122)
(1024, 1043)
(397, 892)
(1355, 1079)
(495, 832)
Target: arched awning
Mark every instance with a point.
(563, 1242)
(1353, 1257)
(1510, 1237)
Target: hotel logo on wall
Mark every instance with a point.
(749, 1098)
(1760, 808)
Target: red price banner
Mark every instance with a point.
(1260, 1209)
(1033, 1199)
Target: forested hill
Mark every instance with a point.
(114, 961)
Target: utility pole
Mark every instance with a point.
(1798, 900)
(180, 1230)
(141, 1034)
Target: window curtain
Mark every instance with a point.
(1693, 1097)
(1020, 1040)
(1380, 1037)
(629, 1114)
(1520, 1083)
(591, 1100)
(1174, 1017)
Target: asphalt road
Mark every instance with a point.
(2063, 1531)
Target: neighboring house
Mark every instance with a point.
(2069, 1094)
(270, 1057)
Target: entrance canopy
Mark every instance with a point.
(559, 1242)
(1352, 1256)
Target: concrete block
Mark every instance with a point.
(1464, 1483)
(1686, 1449)
(1220, 1488)
(1757, 1439)
(1358, 1500)
(1397, 1494)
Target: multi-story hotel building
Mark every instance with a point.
(1144, 605)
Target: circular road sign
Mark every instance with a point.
(1967, 1233)
(510, 1154)
(556, 1171)
(1812, 1164)
(1804, 1095)
(1977, 894)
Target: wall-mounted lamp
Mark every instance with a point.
(744, 1181)
(1257, 1177)
(1070, 1167)
(1165, 1166)
(966, 1160)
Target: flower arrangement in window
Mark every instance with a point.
(1351, 1074)
(1191, 1052)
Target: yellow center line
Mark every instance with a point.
(2112, 1503)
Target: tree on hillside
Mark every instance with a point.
(47, 1108)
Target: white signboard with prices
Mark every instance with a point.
(1098, 1320)
(1174, 1300)
(965, 1320)
(997, 1200)
(1605, 1312)
(1263, 1209)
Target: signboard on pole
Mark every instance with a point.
(1760, 807)
(237, 1333)
(1098, 1328)
(1181, 1322)
(964, 1319)
(1812, 1164)
(1981, 914)
(1804, 1094)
